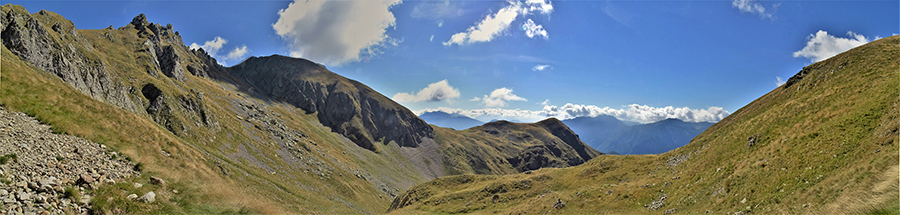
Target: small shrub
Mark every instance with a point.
(138, 166)
(6, 158)
(59, 158)
(71, 193)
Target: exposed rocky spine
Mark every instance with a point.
(27, 38)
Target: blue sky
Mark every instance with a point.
(527, 60)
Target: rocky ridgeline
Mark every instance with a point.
(45, 172)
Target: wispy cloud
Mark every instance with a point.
(436, 10)
(505, 57)
(495, 24)
(779, 81)
(336, 32)
(434, 92)
(540, 67)
(821, 45)
(751, 6)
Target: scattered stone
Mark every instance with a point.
(150, 197)
(109, 181)
(527, 172)
(743, 200)
(138, 185)
(131, 196)
(175, 191)
(559, 204)
(85, 179)
(752, 140)
(3, 192)
(23, 196)
(157, 181)
(657, 203)
(670, 211)
(739, 213)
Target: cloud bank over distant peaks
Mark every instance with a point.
(434, 92)
(212, 48)
(498, 98)
(821, 45)
(495, 24)
(336, 32)
(637, 113)
(634, 112)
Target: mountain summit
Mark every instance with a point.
(346, 106)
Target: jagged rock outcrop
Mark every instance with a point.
(170, 63)
(346, 106)
(25, 36)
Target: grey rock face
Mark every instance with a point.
(170, 63)
(27, 38)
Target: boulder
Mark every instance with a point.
(150, 197)
(157, 181)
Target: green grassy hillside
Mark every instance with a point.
(824, 143)
(225, 145)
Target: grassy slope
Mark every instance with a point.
(260, 178)
(826, 144)
(192, 169)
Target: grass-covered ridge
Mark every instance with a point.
(824, 143)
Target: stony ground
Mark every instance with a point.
(47, 173)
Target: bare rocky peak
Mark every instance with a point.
(348, 107)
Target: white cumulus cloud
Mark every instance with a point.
(494, 25)
(336, 32)
(751, 6)
(821, 45)
(540, 67)
(533, 30)
(434, 92)
(237, 53)
(779, 81)
(499, 97)
(212, 48)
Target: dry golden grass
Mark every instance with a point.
(825, 144)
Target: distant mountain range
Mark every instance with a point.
(612, 136)
(455, 121)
